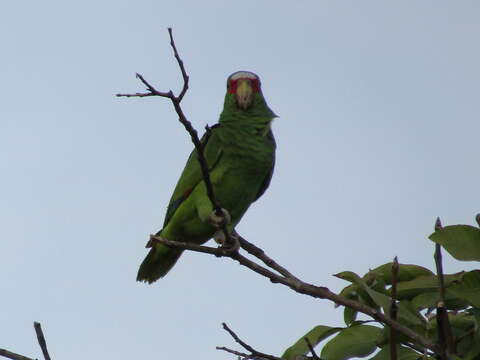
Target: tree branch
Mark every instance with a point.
(180, 64)
(301, 287)
(41, 340)
(176, 100)
(260, 254)
(445, 338)
(253, 353)
(13, 356)
(234, 352)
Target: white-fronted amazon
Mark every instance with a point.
(240, 152)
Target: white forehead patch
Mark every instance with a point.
(243, 74)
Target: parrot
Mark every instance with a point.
(240, 154)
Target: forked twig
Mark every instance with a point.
(253, 353)
(176, 100)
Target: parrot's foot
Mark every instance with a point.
(231, 245)
(218, 221)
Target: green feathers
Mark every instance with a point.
(240, 153)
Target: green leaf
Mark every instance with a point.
(405, 311)
(425, 300)
(356, 289)
(476, 314)
(473, 350)
(412, 288)
(430, 299)
(317, 334)
(473, 353)
(407, 314)
(468, 288)
(461, 241)
(403, 353)
(356, 341)
(349, 315)
(348, 275)
(461, 323)
(350, 292)
(406, 272)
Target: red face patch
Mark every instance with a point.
(233, 84)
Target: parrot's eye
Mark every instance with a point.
(256, 85)
(232, 86)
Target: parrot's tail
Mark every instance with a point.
(158, 263)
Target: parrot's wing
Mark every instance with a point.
(268, 177)
(192, 173)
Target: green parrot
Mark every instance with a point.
(240, 153)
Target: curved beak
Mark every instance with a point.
(244, 94)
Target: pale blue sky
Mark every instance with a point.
(377, 136)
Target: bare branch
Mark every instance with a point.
(234, 352)
(222, 252)
(253, 353)
(176, 100)
(13, 356)
(217, 251)
(260, 254)
(41, 340)
(301, 287)
(180, 64)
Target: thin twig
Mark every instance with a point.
(394, 310)
(180, 64)
(445, 338)
(253, 352)
(176, 100)
(260, 254)
(312, 350)
(234, 352)
(217, 251)
(41, 340)
(13, 356)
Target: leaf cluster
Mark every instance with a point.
(418, 300)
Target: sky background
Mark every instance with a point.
(378, 134)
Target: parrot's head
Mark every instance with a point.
(244, 86)
(245, 101)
